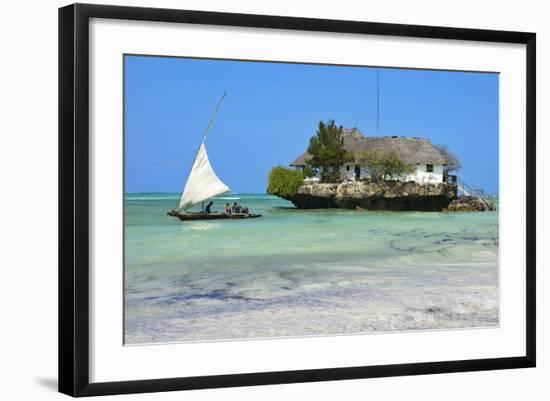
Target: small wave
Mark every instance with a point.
(203, 226)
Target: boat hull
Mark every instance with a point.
(211, 216)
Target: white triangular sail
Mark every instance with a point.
(203, 183)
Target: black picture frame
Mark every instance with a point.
(74, 200)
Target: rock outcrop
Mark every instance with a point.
(392, 195)
(470, 204)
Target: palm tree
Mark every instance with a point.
(326, 150)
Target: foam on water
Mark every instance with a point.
(294, 272)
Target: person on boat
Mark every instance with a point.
(236, 208)
(244, 210)
(208, 207)
(227, 209)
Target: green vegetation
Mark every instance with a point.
(326, 150)
(308, 172)
(386, 166)
(283, 181)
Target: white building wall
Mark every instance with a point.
(421, 175)
(346, 174)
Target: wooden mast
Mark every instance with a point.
(202, 141)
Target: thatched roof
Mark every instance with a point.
(410, 150)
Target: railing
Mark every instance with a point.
(475, 192)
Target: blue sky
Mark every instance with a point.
(272, 109)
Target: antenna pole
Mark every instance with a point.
(378, 101)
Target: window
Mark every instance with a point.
(429, 168)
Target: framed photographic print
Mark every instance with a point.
(250, 199)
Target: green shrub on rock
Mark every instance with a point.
(283, 181)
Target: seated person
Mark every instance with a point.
(236, 208)
(244, 210)
(227, 209)
(208, 207)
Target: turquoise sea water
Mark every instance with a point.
(296, 272)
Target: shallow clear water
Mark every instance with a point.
(297, 272)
